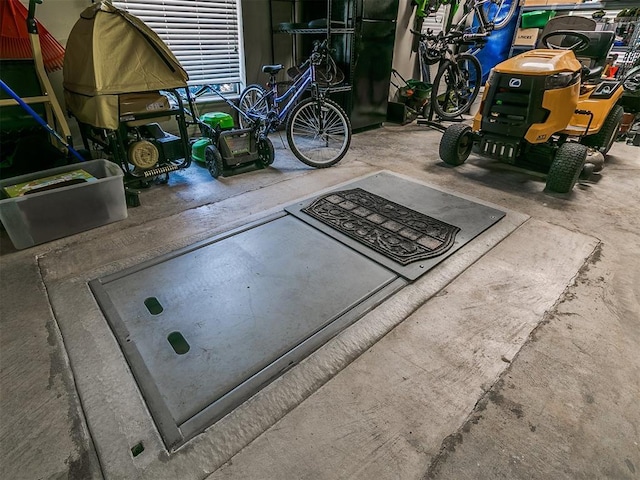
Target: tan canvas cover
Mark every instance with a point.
(110, 52)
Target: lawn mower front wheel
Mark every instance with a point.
(266, 152)
(566, 167)
(213, 160)
(456, 144)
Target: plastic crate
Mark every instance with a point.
(537, 19)
(58, 212)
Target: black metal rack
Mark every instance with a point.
(299, 15)
(361, 34)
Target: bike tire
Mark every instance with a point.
(252, 101)
(319, 132)
(490, 11)
(462, 86)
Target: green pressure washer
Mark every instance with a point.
(226, 150)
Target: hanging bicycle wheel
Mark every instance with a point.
(318, 132)
(456, 86)
(498, 12)
(253, 102)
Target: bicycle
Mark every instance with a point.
(457, 83)
(461, 72)
(491, 14)
(318, 130)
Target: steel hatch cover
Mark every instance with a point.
(206, 327)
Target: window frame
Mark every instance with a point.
(150, 12)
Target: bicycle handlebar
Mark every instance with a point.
(320, 49)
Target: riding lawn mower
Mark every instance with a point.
(546, 109)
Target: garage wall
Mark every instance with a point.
(59, 16)
(404, 60)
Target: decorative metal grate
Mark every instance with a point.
(395, 231)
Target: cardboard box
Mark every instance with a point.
(527, 37)
(534, 3)
(45, 215)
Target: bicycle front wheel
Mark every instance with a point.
(253, 102)
(318, 132)
(456, 86)
(498, 12)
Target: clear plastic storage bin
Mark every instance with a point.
(56, 212)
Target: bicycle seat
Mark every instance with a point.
(272, 69)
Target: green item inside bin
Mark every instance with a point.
(537, 19)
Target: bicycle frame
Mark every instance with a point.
(306, 79)
(474, 10)
(474, 7)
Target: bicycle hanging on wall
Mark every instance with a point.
(318, 129)
(459, 76)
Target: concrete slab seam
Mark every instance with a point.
(70, 382)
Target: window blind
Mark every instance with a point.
(204, 35)
(436, 20)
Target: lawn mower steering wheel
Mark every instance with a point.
(581, 43)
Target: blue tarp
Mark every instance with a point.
(499, 43)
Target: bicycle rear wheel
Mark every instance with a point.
(498, 12)
(318, 132)
(253, 102)
(456, 86)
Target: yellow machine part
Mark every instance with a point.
(558, 118)
(143, 154)
(600, 107)
(477, 118)
(561, 102)
(541, 62)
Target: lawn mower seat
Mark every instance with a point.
(594, 57)
(567, 22)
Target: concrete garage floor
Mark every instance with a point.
(516, 361)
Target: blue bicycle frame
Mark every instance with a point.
(275, 116)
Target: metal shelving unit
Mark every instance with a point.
(300, 48)
(361, 34)
(578, 7)
(632, 52)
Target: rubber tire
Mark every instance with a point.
(244, 104)
(566, 167)
(213, 160)
(440, 78)
(505, 21)
(456, 144)
(309, 103)
(266, 151)
(603, 140)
